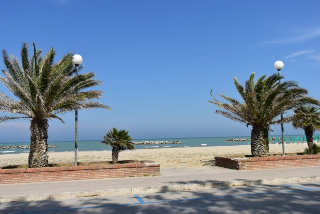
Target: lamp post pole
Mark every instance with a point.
(77, 60)
(279, 65)
(76, 131)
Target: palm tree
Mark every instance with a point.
(307, 118)
(119, 140)
(44, 89)
(264, 101)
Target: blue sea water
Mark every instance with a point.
(95, 145)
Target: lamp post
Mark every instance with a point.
(76, 60)
(278, 65)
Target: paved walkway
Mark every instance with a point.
(186, 178)
(299, 198)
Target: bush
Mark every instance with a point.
(315, 150)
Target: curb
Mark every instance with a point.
(153, 189)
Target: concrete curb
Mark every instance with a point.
(153, 189)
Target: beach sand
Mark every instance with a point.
(167, 157)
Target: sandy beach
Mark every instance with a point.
(167, 157)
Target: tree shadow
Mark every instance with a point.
(208, 162)
(248, 199)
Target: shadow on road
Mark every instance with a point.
(250, 199)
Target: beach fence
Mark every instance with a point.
(290, 140)
(293, 139)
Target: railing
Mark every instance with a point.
(293, 139)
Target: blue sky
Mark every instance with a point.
(159, 59)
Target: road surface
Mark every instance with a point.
(285, 198)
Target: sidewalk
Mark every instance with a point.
(170, 180)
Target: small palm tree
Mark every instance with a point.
(264, 101)
(44, 89)
(308, 119)
(119, 140)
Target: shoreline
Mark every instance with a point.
(167, 157)
(151, 147)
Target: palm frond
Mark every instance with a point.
(231, 116)
(25, 58)
(264, 100)
(119, 139)
(45, 69)
(7, 118)
(56, 117)
(45, 88)
(15, 88)
(306, 115)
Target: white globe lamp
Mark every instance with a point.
(278, 65)
(77, 59)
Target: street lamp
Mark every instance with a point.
(76, 60)
(278, 65)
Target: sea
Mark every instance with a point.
(95, 145)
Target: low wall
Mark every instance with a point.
(47, 174)
(268, 162)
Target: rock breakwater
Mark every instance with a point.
(238, 140)
(23, 147)
(155, 142)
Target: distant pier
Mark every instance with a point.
(23, 147)
(238, 140)
(155, 142)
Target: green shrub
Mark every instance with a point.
(315, 150)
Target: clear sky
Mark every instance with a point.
(159, 59)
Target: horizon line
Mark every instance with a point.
(159, 138)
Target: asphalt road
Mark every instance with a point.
(285, 198)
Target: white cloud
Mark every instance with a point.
(312, 34)
(291, 60)
(314, 56)
(300, 53)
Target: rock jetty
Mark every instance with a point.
(238, 140)
(155, 142)
(275, 138)
(23, 147)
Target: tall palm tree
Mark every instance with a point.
(119, 140)
(308, 119)
(43, 90)
(263, 102)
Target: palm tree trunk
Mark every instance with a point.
(258, 142)
(309, 130)
(38, 156)
(266, 138)
(115, 154)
